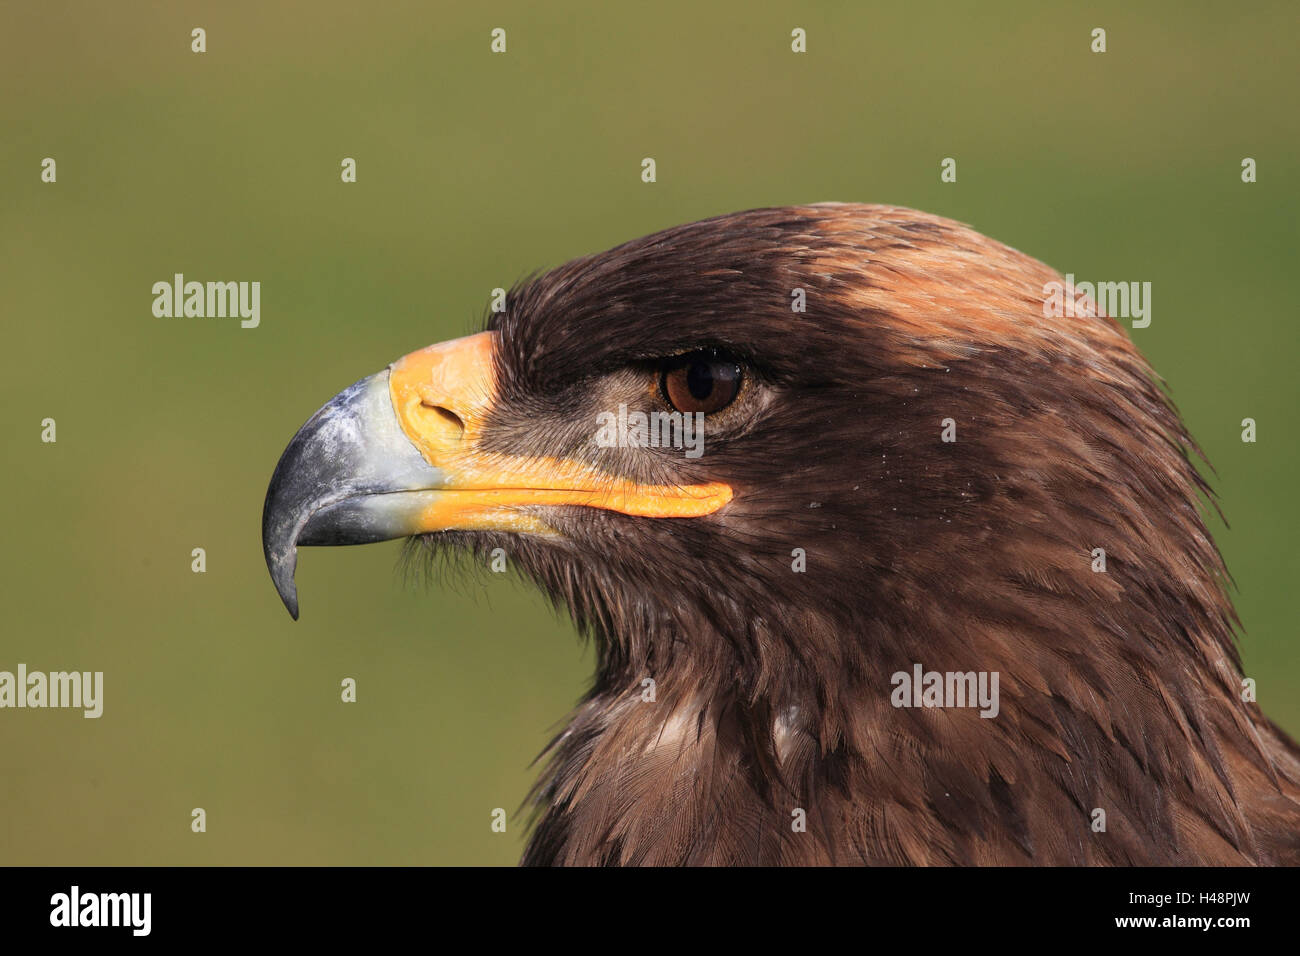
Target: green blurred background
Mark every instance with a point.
(473, 170)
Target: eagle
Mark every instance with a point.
(905, 468)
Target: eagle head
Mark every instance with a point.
(770, 462)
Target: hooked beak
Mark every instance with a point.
(399, 454)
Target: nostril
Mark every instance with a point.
(447, 415)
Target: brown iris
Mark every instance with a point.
(705, 381)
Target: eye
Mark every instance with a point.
(705, 381)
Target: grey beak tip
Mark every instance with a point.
(351, 454)
(282, 569)
(290, 598)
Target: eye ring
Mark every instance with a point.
(705, 381)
